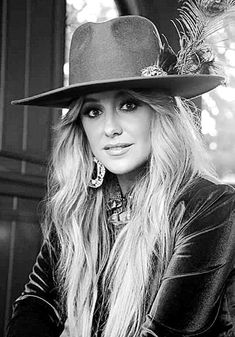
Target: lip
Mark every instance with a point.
(117, 149)
(118, 145)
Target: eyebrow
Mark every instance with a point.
(117, 95)
(90, 99)
(122, 93)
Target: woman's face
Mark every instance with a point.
(117, 126)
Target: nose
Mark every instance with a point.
(112, 125)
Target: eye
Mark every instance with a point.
(130, 105)
(91, 112)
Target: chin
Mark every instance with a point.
(120, 169)
(123, 168)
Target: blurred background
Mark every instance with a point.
(35, 38)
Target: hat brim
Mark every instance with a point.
(187, 86)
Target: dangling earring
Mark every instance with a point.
(99, 169)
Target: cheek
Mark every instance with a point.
(145, 145)
(93, 143)
(91, 134)
(87, 127)
(143, 132)
(145, 140)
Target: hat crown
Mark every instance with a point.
(117, 48)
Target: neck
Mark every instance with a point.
(127, 180)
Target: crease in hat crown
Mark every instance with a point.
(113, 49)
(117, 54)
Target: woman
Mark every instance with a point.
(139, 234)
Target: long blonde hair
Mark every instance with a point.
(144, 246)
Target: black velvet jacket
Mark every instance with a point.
(197, 292)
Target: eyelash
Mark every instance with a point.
(130, 101)
(88, 110)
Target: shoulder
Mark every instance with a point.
(208, 208)
(203, 194)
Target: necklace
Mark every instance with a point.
(118, 206)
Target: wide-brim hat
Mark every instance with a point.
(122, 53)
